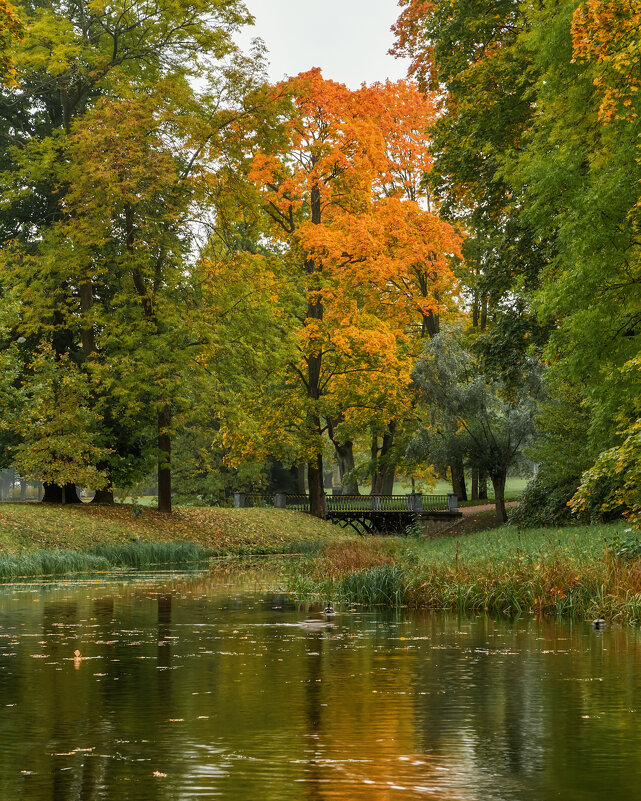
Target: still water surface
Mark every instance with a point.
(208, 686)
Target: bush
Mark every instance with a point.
(544, 503)
(626, 547)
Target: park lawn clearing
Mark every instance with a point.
(219, 532)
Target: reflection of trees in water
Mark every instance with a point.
(73, 719)
(313, 715)
(476, 699)
(492, 719)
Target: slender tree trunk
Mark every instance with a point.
(164, 460)
(482, 485)
(377, 482)
(345, 457)
(314, 365)
(458, 480)
(383, 471)
(475, 484)
(498, 482)
(388, 468)
(316, 488)
(300, 471)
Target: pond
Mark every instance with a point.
(190, 686)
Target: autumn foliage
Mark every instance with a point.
(607, 33)
(341, 191)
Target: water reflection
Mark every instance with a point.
(209, 686)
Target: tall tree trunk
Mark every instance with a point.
(484, 313)
(431, 325)
(316, 488)
(498, 482)
(458, 480)
(164, 460)
(383, 472)
(314, 364)
(482, 485)
(300, 471)
(475, 484)
(377, 479)
(344, 457)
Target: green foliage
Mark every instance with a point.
(544, 502)
(472, 415)
(415, 528)
(100, 193)
(625, 547)
(613, 484)
(58, 429)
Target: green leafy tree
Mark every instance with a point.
(471, 415)
(109, 142)
(60, 431)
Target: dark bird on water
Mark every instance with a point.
(599, 623)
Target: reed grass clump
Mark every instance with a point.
(58, 561)
(568, 572)
(50, 563)
(146, 554)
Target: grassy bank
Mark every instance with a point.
(570, 572)
(38, 539)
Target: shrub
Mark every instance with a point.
(544, 503)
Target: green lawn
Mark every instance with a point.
(513, 488)
(28, 527)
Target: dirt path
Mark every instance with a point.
(486, 507)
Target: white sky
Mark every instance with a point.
(347, 39)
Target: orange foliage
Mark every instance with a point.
(10, 28)
(342, 192)
(608, 33)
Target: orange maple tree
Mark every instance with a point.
(341, 191)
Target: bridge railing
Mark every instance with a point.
(411, 502)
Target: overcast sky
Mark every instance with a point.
(347, 39)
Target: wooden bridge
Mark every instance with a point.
(366, 514)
